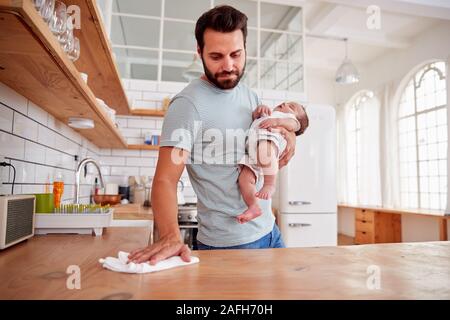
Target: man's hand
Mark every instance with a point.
(289, 152)
(261, 111)
(270, 123)
(165, 248)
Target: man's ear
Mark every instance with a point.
(199, 52)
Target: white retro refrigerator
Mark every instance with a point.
(307, 185)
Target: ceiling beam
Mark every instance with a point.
(436, 9)
(368, 37)
(325, 19)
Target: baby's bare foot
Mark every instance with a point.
(251, 213)
(266, 192)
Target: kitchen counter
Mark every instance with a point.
(132, 212)
(36, 269)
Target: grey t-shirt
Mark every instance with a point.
(211, 124)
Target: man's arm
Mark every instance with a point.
(171, 163)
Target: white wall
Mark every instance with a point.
(392, 68)
(38, 146)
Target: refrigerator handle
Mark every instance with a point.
(294, 225)
(299, 203)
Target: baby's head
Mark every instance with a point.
(298, 111)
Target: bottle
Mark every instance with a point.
(58, 188)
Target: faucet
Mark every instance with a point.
(78, 174)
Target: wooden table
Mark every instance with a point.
(36, 269)
(384, 225)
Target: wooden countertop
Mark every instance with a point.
(132, 212)
(425, 212)
(36, 269)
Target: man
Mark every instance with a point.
(216, 102)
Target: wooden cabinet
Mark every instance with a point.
(33, 64)
(377, 227)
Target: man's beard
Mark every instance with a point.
(227, 83)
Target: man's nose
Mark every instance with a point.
(227, 64)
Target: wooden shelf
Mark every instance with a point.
(33, 64)
(96, 58)
(148, 112)
(142, 147)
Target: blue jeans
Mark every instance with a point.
(271, 240)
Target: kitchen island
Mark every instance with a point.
(36, 269)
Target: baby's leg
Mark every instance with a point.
(247, 181)
(268, 161)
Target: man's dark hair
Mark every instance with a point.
(222, 19)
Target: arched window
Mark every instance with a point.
(355, 163)
(422, 132)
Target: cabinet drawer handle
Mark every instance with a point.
(364, 221)
(363, 232)
(294, 225)
(299, 203)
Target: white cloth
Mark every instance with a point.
(120, 264)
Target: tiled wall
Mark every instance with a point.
(38, 145)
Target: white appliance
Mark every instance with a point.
(16, 219)
(307, 185)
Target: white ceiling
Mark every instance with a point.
(401, 22)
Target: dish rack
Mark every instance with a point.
(74, 219)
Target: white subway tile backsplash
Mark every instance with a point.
(25, 127)
(4, 175)
(149, 153)
(104, 152)
(6, 118)
(159, 124)
(36, 113)
(46, 136)
(124, 171)
(11, 146)
(147, 171)
(112, 161)
(25, 172)
(34, 152)
(122, 122)
(131, 133)
(12, 99)
(106, 171)
(52, 157)
(124, 152)
(31, 189)
(135, 140)
(125, 84)
(68, 161)
(140, 162)
(140, 123)
(134, 95)
(44, 174)
(143, 104)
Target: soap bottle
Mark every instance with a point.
(58, 188)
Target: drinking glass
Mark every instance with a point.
(38, 4)
(58, 21)
(67, 34)
(74, 54)
(46, 10)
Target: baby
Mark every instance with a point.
(265, 145)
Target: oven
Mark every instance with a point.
(187, 220)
